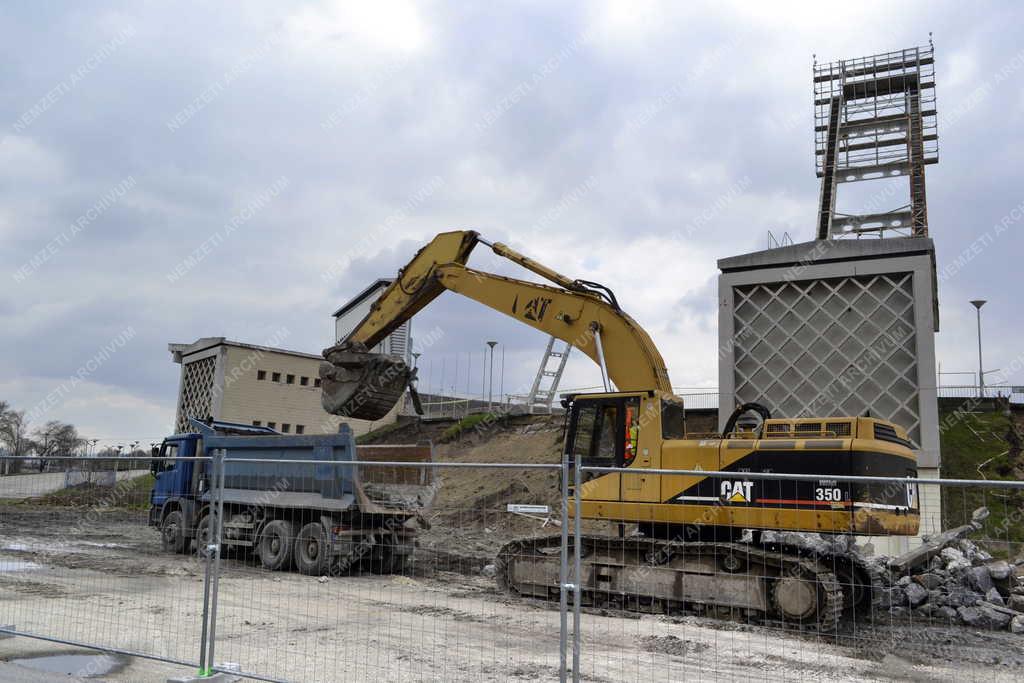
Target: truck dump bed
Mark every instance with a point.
(270, 470)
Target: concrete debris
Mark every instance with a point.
(979, 578)
(984, 616)
(930, 580)
(916, 594)
(934, 545)
(993, 597)
(1000, 570)
(951, 578)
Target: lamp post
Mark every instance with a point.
(501, 378)
(978, 303)
(490, 382)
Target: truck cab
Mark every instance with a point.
(181, 480)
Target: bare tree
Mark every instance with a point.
(54, 438)
(13, 435)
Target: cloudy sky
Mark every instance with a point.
(173, 171)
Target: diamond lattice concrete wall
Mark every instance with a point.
(834, 328)
(196, 396)
(837, 346)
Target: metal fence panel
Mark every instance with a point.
(410, 591)
(406, 592)
(79, 563)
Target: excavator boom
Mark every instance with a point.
(360, 384)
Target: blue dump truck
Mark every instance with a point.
(322, 517)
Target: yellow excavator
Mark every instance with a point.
(702, 542)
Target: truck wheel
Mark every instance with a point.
(204, 536)
(275, 546)
(312, 550)
(172, 533)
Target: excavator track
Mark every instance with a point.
(649, 575)
(861, 581)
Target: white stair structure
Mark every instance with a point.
(542, 395)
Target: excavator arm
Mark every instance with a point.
(364, 385)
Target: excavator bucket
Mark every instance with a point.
(362, 385)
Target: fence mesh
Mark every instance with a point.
(79, 563)
(422, 571)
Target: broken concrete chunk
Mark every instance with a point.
(979, 516)
(1000, 570)
(984, 616)
(891, 598)
(962, 597)
(1016, 602)
(951, 555)
(916, 594)
(945, 612)
(1017, 624)
(904, 581)
(979, 579)
(993, 597)
(926, 611)
(929, 580)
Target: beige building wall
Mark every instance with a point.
(248, 398)
(250, 384)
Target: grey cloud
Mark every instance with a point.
(741, 112)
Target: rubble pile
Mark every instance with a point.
(950, 578)
(962, 584)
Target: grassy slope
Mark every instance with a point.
(970, 441)
(130, 494)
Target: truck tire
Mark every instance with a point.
(172, 533)
(312, 550)
(275, 546)
(204, 536)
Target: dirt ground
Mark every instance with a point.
(112, 585)
(99, 576)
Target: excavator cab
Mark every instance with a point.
(620, 430)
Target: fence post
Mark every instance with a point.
(577, 572)
(218, 529)
(206, 598)
(563, 613)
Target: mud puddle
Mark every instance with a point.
(79, 665)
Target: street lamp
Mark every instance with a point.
(978, 303)
(490, 382)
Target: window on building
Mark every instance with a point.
(276, 377)
(261, 374)
(255, 423)
(290, 379)
(316, 381)
(272, 425)
(304, 381)
(300, 429)
(285, 427)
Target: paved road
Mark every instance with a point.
(19, 486)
